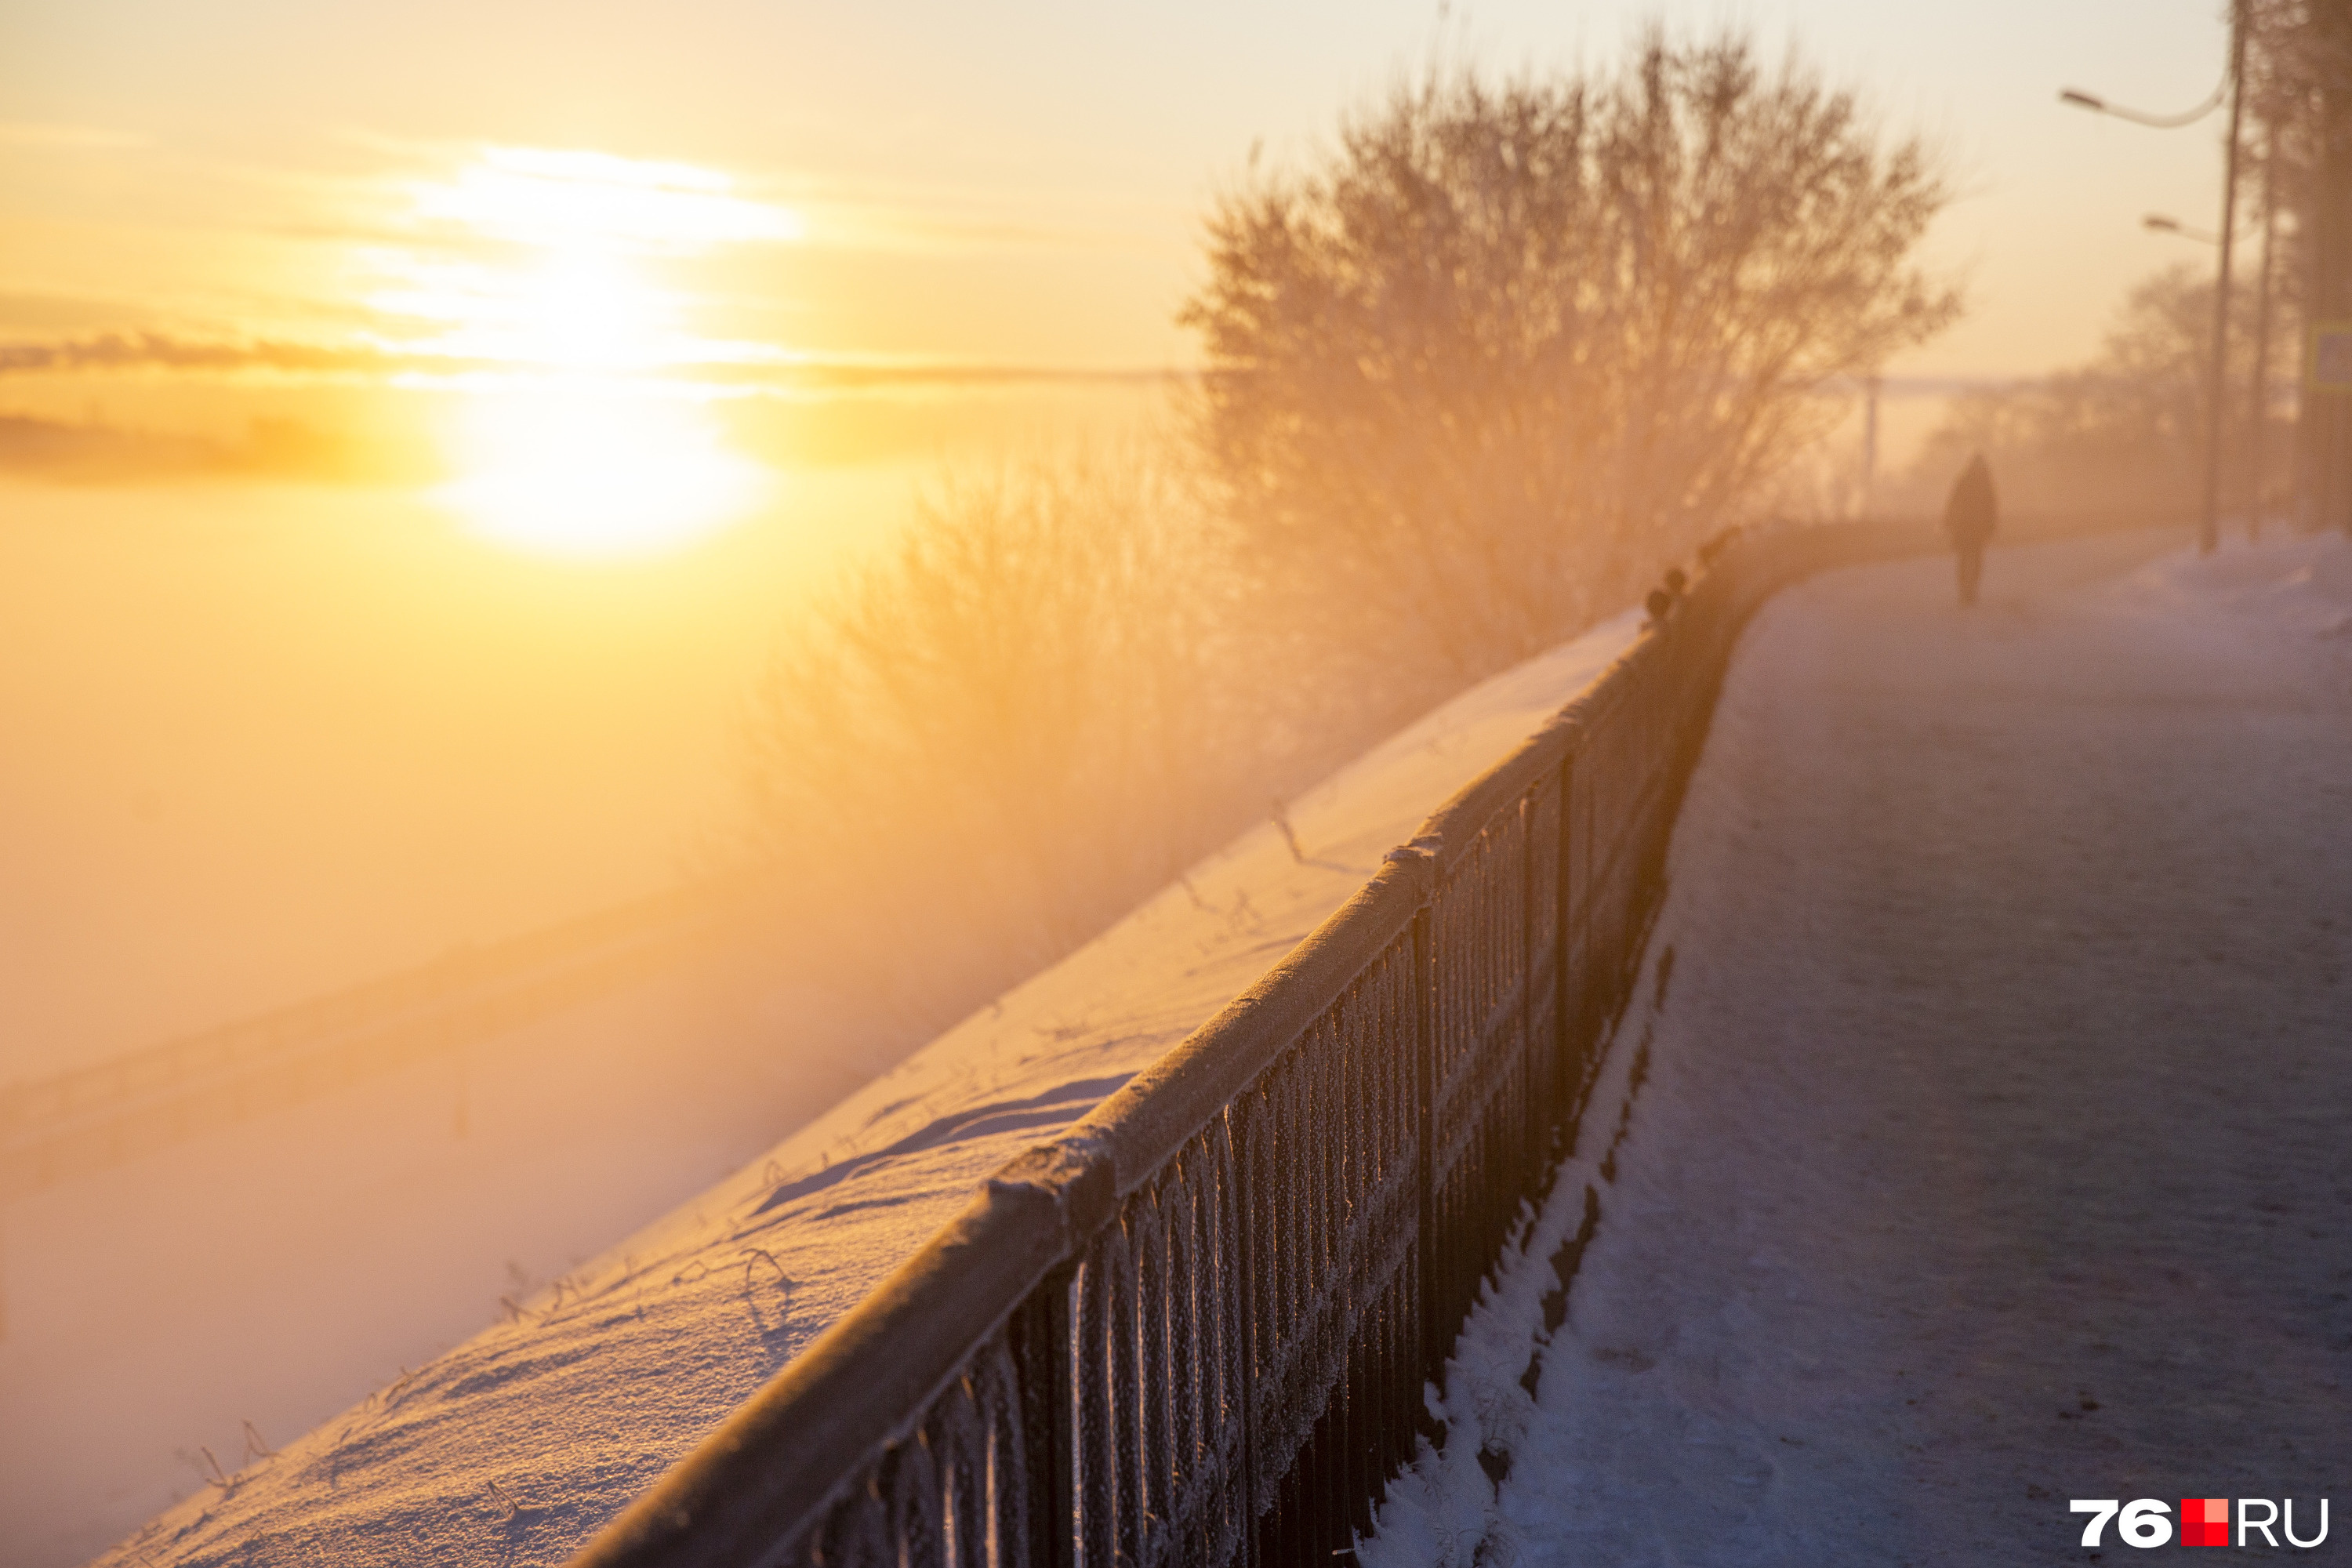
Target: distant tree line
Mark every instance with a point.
(2125, 431)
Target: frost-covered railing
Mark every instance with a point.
(1195, 1328)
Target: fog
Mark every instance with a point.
(263, 744)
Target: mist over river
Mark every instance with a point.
(262, 743)
(258, 743)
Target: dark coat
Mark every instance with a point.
(1973, 513)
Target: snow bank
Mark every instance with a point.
(1976, 1141)
(515, 1447)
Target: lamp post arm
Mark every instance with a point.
(2098, 105)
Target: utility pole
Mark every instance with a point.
(2217, 375)
(2250, 466)
(2217, 386)
(1870, 445)
(2258, 429)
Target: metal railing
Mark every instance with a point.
(1196, 1329)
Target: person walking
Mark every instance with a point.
(1970, 518)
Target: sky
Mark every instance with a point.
(912, 184)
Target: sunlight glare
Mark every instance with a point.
(575, 198)
(583, 445)
(596, 473)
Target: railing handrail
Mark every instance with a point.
(766, 1480)
(870, 1373)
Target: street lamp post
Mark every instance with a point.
(2258, 433)
(2217, 375)
(2258, 395)
(2209, 520)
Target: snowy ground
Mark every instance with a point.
(514, 1447)
(276, 1269)
(1983, 1143)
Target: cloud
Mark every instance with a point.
(94, 453)
(158, 350)
(861, 375)
(126, 351)
(560, 198)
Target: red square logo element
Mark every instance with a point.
(2205, 1521)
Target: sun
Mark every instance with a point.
(587, 435)
(595, 471)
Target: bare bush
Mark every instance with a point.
(1030, 714)
(1512, 346)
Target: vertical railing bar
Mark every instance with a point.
(1098, 1447)
(1046, 1348)
(1563, 1034)
(1425, 1131)
(1239, 1116)
(1531, 1117)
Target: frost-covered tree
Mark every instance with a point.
(1512, 345)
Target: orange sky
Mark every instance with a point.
(765, 184)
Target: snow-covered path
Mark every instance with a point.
(1983, 1142)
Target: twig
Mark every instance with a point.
(1282, 822)
(257, 1447)
(219, 1477)
(751, 1257)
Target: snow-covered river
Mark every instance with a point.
(1983, 1144)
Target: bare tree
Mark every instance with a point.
(1000, 734)
(1514, 345)
(2298, 89)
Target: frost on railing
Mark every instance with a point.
(1196, 1329)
